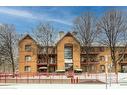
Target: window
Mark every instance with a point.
(124, 68)
(68, 66)
(28, 58)
(125, 58)
(92, 49)
(27, 68)
(68, 52)
(52, 60)
(28, 48)
(102, 58)
(101, 49)
(102, 68)
(83, 59)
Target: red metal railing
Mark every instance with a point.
(68, 77)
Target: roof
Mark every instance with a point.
(70, 35)
(27, 35)
(67, 34)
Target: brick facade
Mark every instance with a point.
(100, 56)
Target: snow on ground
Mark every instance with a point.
(71, 89)
(62, 86)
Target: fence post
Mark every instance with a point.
(39, 78)
(16, 78)
(27, 77)
(33, 75)
(50, 78)
(96, 76)
(106, 81)
(77, 80)
(20, 78)
(71, 80)
(0, 78)
(117, 77)
(5, 77)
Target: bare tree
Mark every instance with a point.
(8, 45)
(113, 28)
(85, 26)
(43, 33)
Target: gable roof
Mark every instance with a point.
(26, 37)
(69, 35)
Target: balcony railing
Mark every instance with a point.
(124, 61)
(40, 64)
(92, 52)
(50, 64)
(121, 52)
(90, 62)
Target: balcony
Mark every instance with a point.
(41, 64)
(44, 54)
(52, 64)
(122, 51)
(51, 51)
(124, 62)
(68, 61)
(93, 50)
(90, 62)
(91, 53)
(45, 64)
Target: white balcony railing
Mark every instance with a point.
(68, 61)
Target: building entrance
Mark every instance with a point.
(124, 68)
(68, 56)
(69, 66)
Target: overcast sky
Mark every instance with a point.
(26, 18)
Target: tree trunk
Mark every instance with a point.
(47, 59)
(87, 62)
(116, 71)
(12, 62)
(13, 70)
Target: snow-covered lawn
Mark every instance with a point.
(62, 86)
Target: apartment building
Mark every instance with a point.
(66, 55)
